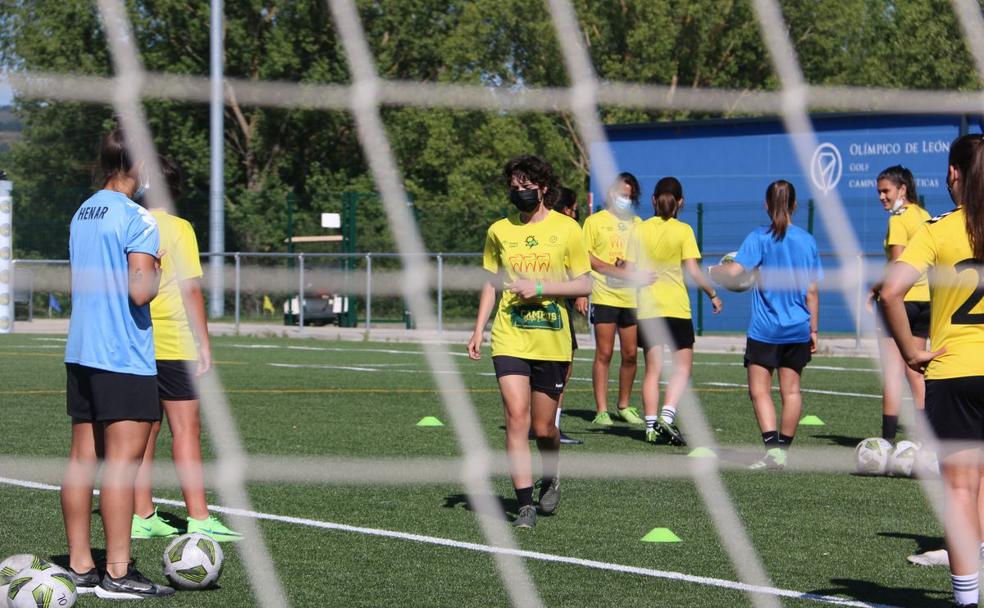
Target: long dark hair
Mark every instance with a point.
(900, 176)
(780, 199)
(114, 158)
(967, 157)
(667, 196)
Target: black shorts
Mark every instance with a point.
(545, 376)
(955, 407)
(569, 305)
(793, 356)
(652, 333)
(174, 381)
(918, 315)
(96, 395)
(602, 313)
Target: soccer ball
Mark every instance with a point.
(742, 282)
(42, 584)
(193, 561)
(871, 456)
(14, 564)
(903, 459)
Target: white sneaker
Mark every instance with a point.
(939, 557)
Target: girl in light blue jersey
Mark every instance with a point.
(782, 333)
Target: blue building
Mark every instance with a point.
(726, 165)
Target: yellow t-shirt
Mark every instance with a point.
(549, 250)
(901, 229)
(173, 340)
(956, 312)
(606, 236)
(661, 246)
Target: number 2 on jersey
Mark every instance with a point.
(963, 316)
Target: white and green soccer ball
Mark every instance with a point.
(193, 561)
(42, 585)
(872, 455)
(742, 282)
(10, 566)
(903, 459)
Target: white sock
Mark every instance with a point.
(651, 423)
(557, 419)
(668, 413)
(965, 588)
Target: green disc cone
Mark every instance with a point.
(811, 421)
(661, 535)
(430, 421)
(702, 453)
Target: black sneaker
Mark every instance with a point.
(131, 586)
(86, 582)
(526, 518)
(569, 440)
(671, 432)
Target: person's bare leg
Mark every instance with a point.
(760, 391)
(516, 405)
(892, 374)
(125, 441)
(962, 478)
(683, 363)
(143, 485)
(650, 380)
(792, 400)
(629, 349)
(543, 408)
(76, 493)
(604, 346)
(186, 427)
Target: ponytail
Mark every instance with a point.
(967, 157)
(667, 196)
(780, 199)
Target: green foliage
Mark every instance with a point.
(450, 159)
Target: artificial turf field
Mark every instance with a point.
(826, 534)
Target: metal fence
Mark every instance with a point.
(365, 290)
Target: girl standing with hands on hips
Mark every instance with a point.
(538, 258)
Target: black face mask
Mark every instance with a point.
(525, 200)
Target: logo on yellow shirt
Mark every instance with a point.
(530, 262)
(531, 241)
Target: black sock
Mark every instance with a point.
(890, 426)
(785, 441)
(525, 496)
(771, 439)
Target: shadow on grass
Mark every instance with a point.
(841, 440)
(98, 556)
(454, 501)
(923, 543)
(867, 591)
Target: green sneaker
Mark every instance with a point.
(151, 527)
(775, 460)
(603, 419)
(652, 437)
(631, 415)
(211, 526)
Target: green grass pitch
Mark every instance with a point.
(832, 534)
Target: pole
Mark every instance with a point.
(6, 258)
(368, 293)
(700, 247)
(290, 222)
(300, 292)
(216, 198)
(809, 216)
(238, 285)
(440, 293)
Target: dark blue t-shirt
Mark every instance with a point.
(786, 269)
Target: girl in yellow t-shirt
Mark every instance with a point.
(183, 350)
(897, 194)
(665, 247)
(613, 297)
(538, 257)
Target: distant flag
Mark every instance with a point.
(268, 305)
(53, 303)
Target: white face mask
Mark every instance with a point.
(144, 186)
(622, 203)
(897, 206)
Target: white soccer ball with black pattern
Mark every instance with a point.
(193, 561)
(43, 585)
(871, 456)
(903, 459)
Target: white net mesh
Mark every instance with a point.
(476, 468)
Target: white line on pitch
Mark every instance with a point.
(802, 390)
(534, 555)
